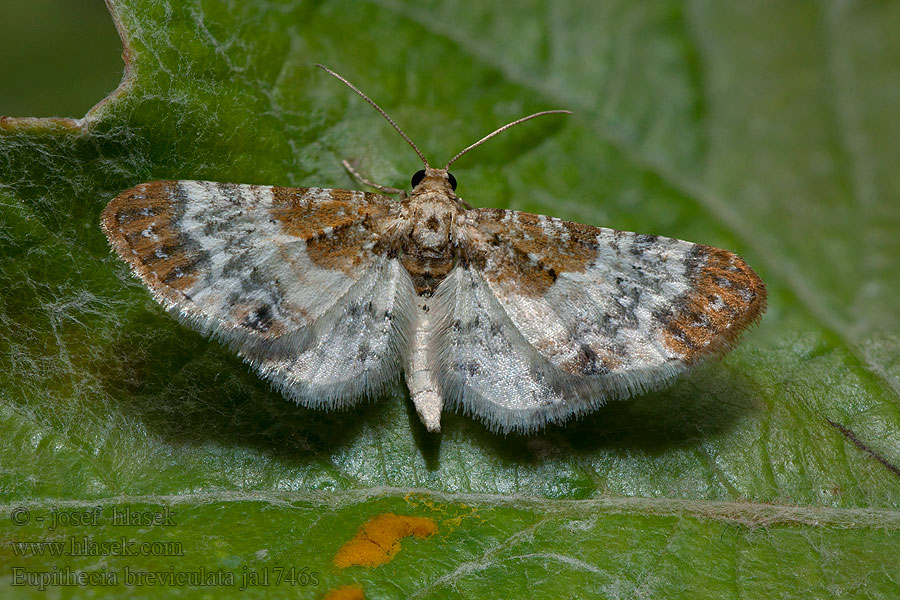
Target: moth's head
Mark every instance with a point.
(433, 180)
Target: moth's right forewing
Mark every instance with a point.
(604, 313)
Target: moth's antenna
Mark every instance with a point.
(378, 108)
(505, 127)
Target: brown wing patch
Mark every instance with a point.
(589, 360)
(140, 224)
(337, 225)
(526, 251)
(726, 296)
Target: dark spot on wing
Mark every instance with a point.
(259, 319)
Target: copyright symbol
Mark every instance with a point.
(20, 516)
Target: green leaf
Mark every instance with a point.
(767, 129)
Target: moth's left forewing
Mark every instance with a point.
(612, 312)
(255, 261)
(289, 277)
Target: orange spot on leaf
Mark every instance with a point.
(378, 540)
(345, 592)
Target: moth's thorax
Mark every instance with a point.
(426, 248)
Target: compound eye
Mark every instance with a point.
(417, 178)
(452, 181)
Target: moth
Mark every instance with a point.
(517, 319)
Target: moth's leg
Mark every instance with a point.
(381, 188)
(424, 389)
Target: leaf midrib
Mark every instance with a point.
(748, 514)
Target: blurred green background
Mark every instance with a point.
(59, 57)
